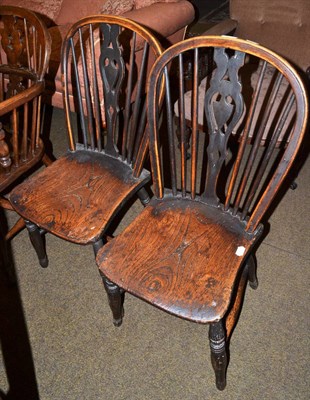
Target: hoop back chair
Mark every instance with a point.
(190, 252)
(80, 193)
(25, 47)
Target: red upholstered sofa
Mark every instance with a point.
(167, 18)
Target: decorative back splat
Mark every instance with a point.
(13, 39)
(253, 96)
(23, 50)
(112, 69)
(109, 59)
(223, 109)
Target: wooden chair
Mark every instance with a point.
(25, 48)
(79, 194)
(190, 252)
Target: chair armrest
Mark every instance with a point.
(21, 98)
(222, 28)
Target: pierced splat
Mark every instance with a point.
(12, 39)
(112, 68)
(223, 108)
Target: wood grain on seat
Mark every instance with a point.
(181, 257)
(78, 195)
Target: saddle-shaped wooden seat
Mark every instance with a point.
(79, 194)
(182, 256)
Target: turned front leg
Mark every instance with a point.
(114, 292)
(116, 300)
(217, 339)
(37, 242)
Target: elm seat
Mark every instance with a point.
(78, 195)
(181, 238)
(191, 251)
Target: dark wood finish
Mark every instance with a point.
(219, 358)
(253, 281)
(114, 292)
(190, 252)
(79, 194)
(116, 300)
(37, 242)
(143, 196)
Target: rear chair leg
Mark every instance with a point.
(219, 359)
(143, 196)
(253, 282)
(114, 292)
(37, 242)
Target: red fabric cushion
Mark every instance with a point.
(72, 10)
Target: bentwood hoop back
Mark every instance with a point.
(190, 252)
